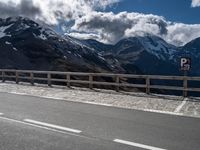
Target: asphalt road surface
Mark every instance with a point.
(33, 123)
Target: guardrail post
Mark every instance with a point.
(91, 80)
(147, 85)
(32, 78)
(49, 79)
(3, 76)
(17, 77)
(68, 80)
(117, 80)
(185, 86)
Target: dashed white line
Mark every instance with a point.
(137, 145)
(178, 109)
(43, 127)
(1, 113)
(52, 126)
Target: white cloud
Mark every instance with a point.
(86, 36)
(195, 3)
(89, 20)
(51, 11)
(180, 34)
(110, 27)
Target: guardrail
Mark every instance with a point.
(118, 80)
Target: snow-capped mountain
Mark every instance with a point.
(192, 50)
(27, 45)
(150, 54)
(145, 55)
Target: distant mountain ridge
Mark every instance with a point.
(26, 44)
(153, 55)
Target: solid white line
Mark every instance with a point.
(162, 112)
(42, 127)
(178, 109)
(52, 126)
(137, 145)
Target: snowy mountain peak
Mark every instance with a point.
(152, 44)
(13, 26)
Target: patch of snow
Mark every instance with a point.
(102, 58)
(48, 32)
(116, 60)
(15, 49)
(2, 30)
(76, 42)
(22, 27)
(79, 55)
(2, 34)
(42, 36)
(8, 43)
(158, 47)
(26, 26)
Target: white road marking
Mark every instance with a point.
(42, 127)
(1, 113)
(52, 126)
(94, 103)
(162, 112)
(178, 109)
(137, 145)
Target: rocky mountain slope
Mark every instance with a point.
(28, 45)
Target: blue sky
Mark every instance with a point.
(172, 10)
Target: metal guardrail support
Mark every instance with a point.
(147, 85)
(117, 80)
(49, 79)
(3, 76)
(17, 77)
(32, 78)
(68, 80)
(185, 87)
(91, 80)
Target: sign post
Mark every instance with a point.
(185, 67)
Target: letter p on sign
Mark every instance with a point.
(185, 63)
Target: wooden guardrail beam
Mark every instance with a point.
(24, 74)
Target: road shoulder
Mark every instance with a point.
(173, 105)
